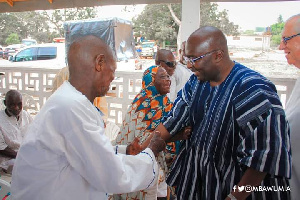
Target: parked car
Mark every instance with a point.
(11, 49)
(51, 55)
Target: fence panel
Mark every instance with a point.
(37, 83)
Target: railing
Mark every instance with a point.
(38, 84)
(122, 91)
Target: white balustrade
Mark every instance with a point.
(37, 82)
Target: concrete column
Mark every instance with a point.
(190, 20)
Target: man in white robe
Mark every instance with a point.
(65, 154)
(290, 43)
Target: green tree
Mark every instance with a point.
(57, 17)
(35, 26)
(276, 30)
(42, 26)
(156, 21)
(280, 19)
(13, 38)
(9, 23)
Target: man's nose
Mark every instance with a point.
(281, 45)
(112, 77)
(15, 107)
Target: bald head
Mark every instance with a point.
(210, 61)
(162, 54)
(13, 103)
(82, 54)
(291, 45)
(12, 94)
(91, 65)
(210, 38)
(165, 58)
(294, 22)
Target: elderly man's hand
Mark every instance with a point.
(157, 144)
(134, 147)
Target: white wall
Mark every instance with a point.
(250, 42)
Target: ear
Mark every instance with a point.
(219, 55)
(100, 59)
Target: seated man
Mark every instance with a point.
(14, 121)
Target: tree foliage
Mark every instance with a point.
(276, 30)
(9, 24)
(156, 22)
(42, 26)
(13, 38)
(280, 19)
(57, 17)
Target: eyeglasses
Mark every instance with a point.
(169, 64)
(193, 60)
(285, 39)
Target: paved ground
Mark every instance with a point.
(271, 63)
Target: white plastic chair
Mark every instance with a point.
(4, 190)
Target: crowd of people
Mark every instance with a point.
(205, 127)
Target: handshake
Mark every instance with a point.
(157, 144)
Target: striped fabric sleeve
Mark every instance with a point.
(264, 143)
(178, 116)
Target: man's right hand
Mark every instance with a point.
(157, 144)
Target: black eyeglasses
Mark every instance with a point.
(169, 64)
(285, 39)
(193, 60)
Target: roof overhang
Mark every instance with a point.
(30, 5)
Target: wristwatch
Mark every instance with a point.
(231, 196)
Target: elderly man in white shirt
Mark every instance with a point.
(290, 43)
(14, 121)
(65, 154)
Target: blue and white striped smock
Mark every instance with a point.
(236, 124)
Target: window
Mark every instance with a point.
(26, 55)
(46, 53)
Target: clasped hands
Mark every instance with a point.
(156, 144)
